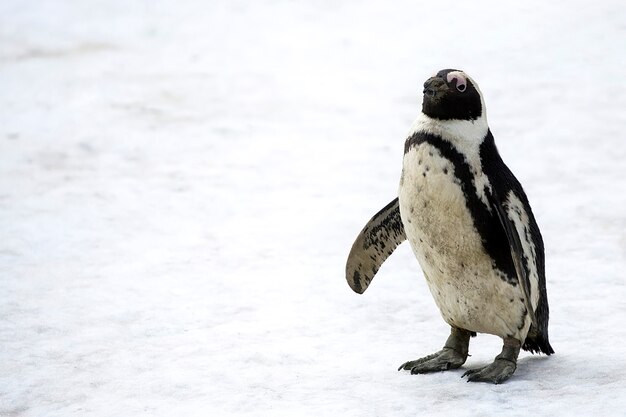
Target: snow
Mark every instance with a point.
(181, 182)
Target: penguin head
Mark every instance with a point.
(452, 95)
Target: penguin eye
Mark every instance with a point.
(460, 80)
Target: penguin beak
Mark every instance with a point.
(435, 87)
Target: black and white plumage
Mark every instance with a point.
(471, 228)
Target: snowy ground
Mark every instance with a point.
(181, 182)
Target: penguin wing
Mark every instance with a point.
(378, 239)
(514, 220)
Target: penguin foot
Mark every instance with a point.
(452, 356)
(443, 360)
(496, 373)
(502, 367)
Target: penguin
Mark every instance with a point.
(471, 228)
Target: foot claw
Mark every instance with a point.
(407, 366)
(469, 372)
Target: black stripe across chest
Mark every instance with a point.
(493, 236)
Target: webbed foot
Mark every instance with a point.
(497, 372)
(452, 356)
(441, 361)
(502, 367)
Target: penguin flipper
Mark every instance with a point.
(517, 251)
(378, 239)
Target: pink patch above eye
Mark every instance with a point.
(461, 81)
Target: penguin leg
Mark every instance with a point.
(452, 356)
(502, 367)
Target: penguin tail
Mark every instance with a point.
(537, 337)
(537, 342)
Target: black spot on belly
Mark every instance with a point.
(445, 171)
(423, 174)
(521, 325)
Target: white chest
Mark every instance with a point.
(434, 212)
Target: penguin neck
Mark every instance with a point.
(465, 135)
(460, 133)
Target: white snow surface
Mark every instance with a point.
(181, 182)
